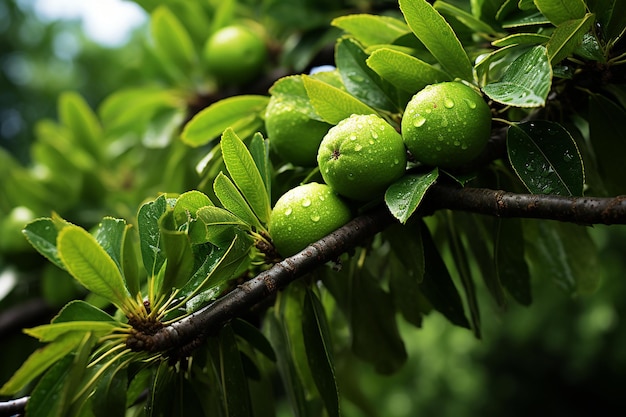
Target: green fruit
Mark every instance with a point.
(293, 135)
(361, 156)
(304, 215)
(446, 125)
(235, 54)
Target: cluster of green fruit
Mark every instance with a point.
(445, 125)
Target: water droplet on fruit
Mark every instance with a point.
(444, 123)
(371, 142)
(322, 198)
(306, 202)
(464, 147)
(470, 104)
(429, 111)
(438, 148)
(358, 148)
(288, 211)
(440, 138)
(374, 135)
(419, 121)
(457, 143)
(315, 218)
(352, 137)
(448, 103)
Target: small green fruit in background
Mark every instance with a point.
(361, 156)
(446, 125)
(235, 54)
(293, 135)
(304, 215)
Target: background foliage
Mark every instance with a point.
(97, 134)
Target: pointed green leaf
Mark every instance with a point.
(40, 360)
(438, 37)
(260, 151)
(241, 113)
(521, 39)
(150, 235)
(80, 310)
(437, 284)
(171, 39)
(526, 82)
(234, 384)
(90, 265)
(245, 174)
(545, 157)
(213, 223)
(404, 71)
(559, 11)
(319, 352)
(567, 37)
(77, 116)
(187, 204)
(565, 254)
(375, 335)
(331, 103)
(50, 332)
(180, 257)
(47, 398)
(404, 196)
(130, 264)
(372, 29)
(42, 234)
(476, 25)
(360, 80)
(110, 234)
(511, 265)
(232, 200)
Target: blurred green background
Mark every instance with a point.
(561, 356)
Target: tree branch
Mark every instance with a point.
(13, 407)
(181, 337)
(583, 210)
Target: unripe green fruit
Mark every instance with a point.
(361, 156)
(293, 135)
(304, 215)
(446, 125)
(235, 54)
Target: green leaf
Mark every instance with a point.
(241, 113)
(567, 37)
(526, 82)
(110, 234)
(42, 235)
(77, 116)
(545, 157)
(130, 265)
(48, 397)
(245, 174)
(319, 351)
(438, 37)
(437, 284)
(110, 393)
(213, 223)
(521, 39)
(360, 80)
(375, 335)
(253, 335)
(232, 200)
(565, 254)
(405, 71)
(475, 24)
(77, 310)
(50, 332)
(608, 139)
(90, 265)
(372, 29)
(227, 362)
(179, 255)
(172, 41)
(404, 196)
(559, 11)
(40, 360)
(188, 204)
(150, 235)
(260, 151)
(332, 104)
(511, 265)
(291, 90)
